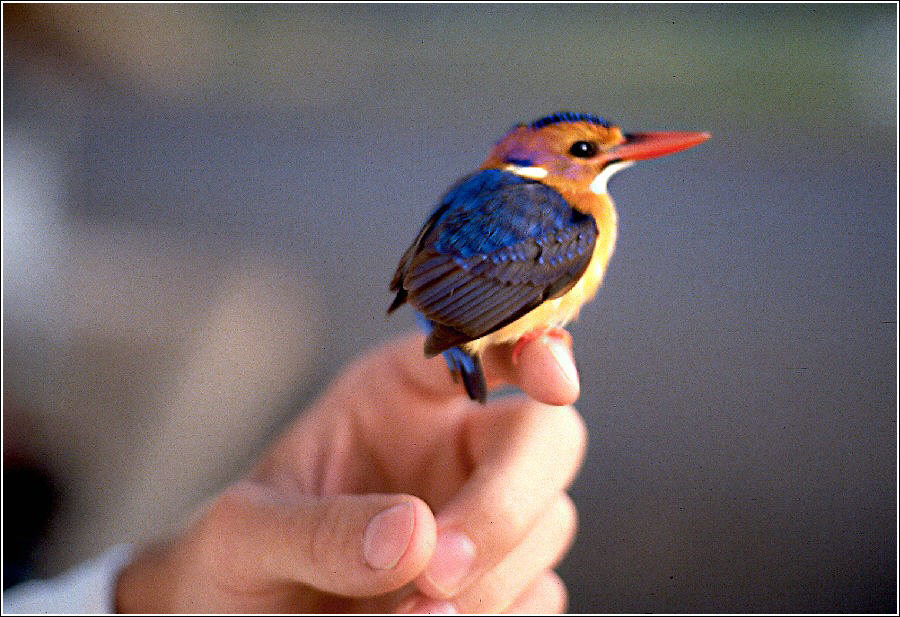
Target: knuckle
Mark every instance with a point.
(509, 514)
(570, 432)
(568, 525)
(547, 594)
(215, 528)
(568, 511)
(558, 595)
(576, 430)
(224, 513)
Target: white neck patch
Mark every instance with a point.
(535, 173)
(598, 184)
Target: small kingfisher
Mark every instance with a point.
(514, 250)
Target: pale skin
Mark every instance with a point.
(393, 492)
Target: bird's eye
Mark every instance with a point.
(583, 149)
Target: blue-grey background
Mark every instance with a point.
(175, 173)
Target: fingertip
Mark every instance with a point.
(546, 371)
(351, 545)
(454, 557)
(423, 541)
(400, 540)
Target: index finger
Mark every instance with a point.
(545, 370)
(525, 454)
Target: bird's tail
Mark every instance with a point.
(463, 365)
(469, 369)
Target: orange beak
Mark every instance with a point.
(642, 146)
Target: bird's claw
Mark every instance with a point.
(551, 332)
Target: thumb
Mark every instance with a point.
(352, 545)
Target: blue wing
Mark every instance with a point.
(497, 247)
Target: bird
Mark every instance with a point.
(514, 250)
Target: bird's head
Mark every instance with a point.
(577, 153)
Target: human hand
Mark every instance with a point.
(393, 493)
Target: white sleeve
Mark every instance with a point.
(87, 588)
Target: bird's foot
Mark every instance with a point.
(553, 332)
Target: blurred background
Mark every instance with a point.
(203, 205)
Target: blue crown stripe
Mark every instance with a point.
(568, 116)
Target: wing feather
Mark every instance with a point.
(496, 247)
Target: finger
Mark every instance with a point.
(545, 370)
(524, 454)
(541, 550)
(417, 604)
(352, 545)
(547, 595)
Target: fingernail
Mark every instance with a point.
(563, 356)
(387, 536)
(452, 561)
(427, 606)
